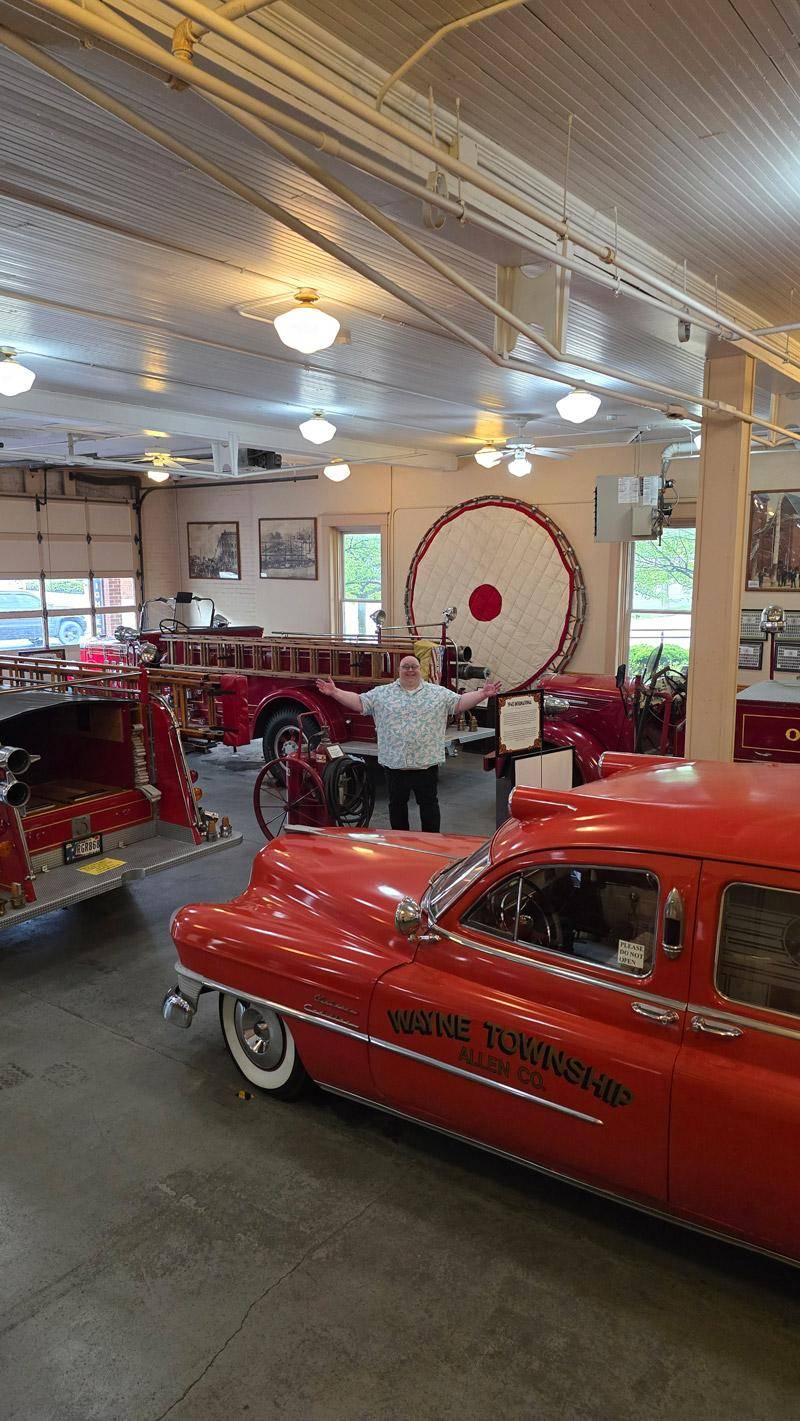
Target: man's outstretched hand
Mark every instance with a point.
(491, 688)
(326, 685)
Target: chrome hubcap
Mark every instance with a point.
(260, 1034)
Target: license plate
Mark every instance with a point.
(77, 849)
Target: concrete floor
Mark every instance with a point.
(167, 1249)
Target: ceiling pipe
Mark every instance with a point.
(93, 94)
(160, 136)
(187, 33)
(336, 148)
(442, 158)
(427, 45)
(241, 107)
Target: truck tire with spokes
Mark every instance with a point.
(278, 797)
(262, 1047)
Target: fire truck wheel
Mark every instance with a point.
(281, 720)
(262, 1047)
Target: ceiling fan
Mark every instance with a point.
(519, 452)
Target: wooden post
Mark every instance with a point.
(722, 520)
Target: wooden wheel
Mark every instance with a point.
(283, 791)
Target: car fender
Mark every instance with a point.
(563, 734)
(322, 707)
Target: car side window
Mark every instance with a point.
(758, 956)
(605, 916)
(496, 911)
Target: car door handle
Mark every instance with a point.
(715, 1028)
(664, 1016)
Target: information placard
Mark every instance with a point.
(519, 722)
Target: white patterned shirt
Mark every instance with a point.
(410, 725)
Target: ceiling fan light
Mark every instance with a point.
(488, 457)
(15, 379)
(158, 474)
(337, 472)
(578, 406)
(519, 466)
(306, 328)
(318, 429)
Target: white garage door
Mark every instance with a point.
(69, 570)
(515, 580)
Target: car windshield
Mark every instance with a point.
(450, 883)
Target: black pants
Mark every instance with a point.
(424, 785)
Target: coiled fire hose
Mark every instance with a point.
(349, 792)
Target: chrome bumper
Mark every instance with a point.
(180, 1003)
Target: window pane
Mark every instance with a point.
(107, 622)
(606, 916)
(759, 947)
(453, 881)
(21, 624)
(62, 593)
(69, 628)
(356, 618)
(114, 592)
(497, 910)
(361, 567)
(661, 603)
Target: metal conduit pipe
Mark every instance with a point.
(190, 76)
(385, 224)
(187, 33)
(461, 23)
(150, 50)
(93, 94)
(214, 20)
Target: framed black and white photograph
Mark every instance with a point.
(773, 549)
(751, 655)
(214, 551)
(288, 548)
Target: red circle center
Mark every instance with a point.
(485, 603)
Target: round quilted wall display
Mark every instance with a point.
(515, 580)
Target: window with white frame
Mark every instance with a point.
(660, 598)
(360, 573)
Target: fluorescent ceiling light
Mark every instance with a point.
(578, 406)
(156, 433)
(318, 429)
(15, 379)
(337, 472)
(519, 466)
(305, 327)
(158, 475)
(488, 457)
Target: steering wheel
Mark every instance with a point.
(676, 680)
(537, 927)
(506, 909)
(171, 624)
(649, 679)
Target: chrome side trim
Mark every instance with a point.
(483, 1080)
(771, 1028)
(651, 1209)
(275, 1006)
(637, 989)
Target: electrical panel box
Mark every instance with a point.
(624, 506)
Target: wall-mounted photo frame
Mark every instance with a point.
(773, 547)
(751, 655)
(288, 548)
(214, 551)
(787, 656)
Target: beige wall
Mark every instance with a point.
(404, 502)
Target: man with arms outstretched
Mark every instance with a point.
(411, 718)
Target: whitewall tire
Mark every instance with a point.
(262, 1047)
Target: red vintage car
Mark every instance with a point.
(607, 991)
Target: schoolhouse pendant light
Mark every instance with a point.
(337, 472)
(15, 379)
(317, 429)
(306, 328)
(578, 406)
(519, 466)
(488, 457)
